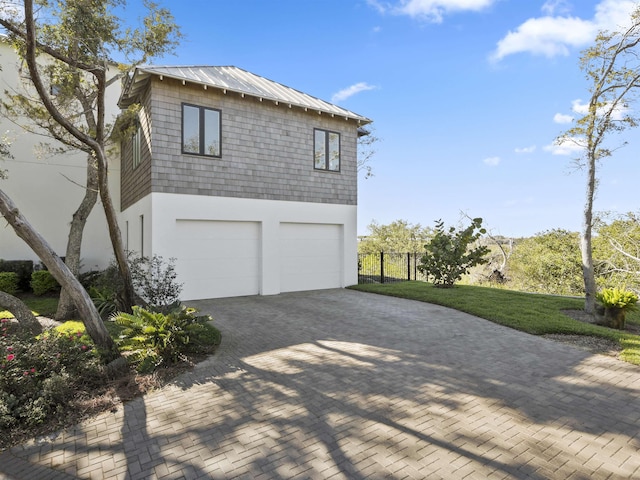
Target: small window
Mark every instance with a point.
(200, 131)
(326, 147)
(135, 146)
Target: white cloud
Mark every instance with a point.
(351, 91)
(530, 149)
(562, 118)
(553, 7)
(492, 161)
(583, 108)
(568, 146)
(431, 10)
(556, 35)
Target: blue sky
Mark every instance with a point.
(467, 96)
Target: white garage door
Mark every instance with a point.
(310, 256)
(218, 259)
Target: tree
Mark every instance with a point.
(449, 254)
(617, 252)
(366, 140)
(548, 262)
(612, 66)
(399, 236)
(80, 43)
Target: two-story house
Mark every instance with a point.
(250, 185)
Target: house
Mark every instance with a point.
(250, 185)
(46, 187)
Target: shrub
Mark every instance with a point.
(43, 282)
(23, 268)
(9, 282)
(155, 281)
(548, 262)
(448, 254)
(105, 300)
(155, 338)
(618, 298)
(39, 377)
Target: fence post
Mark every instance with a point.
(408, 266)
(381, 267)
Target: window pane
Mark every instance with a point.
(334, 151)
(190, 129)
(136, 147)
(319, 153)
(212, 132)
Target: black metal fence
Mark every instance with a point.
(388, 267)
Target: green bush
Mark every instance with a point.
(23, 268)
(40, 377)
(154, 339)
(43, 282)
(155, 282)
(618, 298)
(9, 282)
(449, 255)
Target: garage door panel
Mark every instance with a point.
(219, 258)
(310, 256)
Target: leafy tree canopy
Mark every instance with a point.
(548, 262)
(399, 236)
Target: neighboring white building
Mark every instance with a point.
(250, 185)
(48, 189)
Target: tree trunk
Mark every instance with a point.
(21, 312)
(88, 312)
(66, 306)
(115, 235)
(588, 274)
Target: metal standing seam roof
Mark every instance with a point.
(233, 79)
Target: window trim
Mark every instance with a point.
(201, 130)
(326, 150)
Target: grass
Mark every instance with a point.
(528, 312)
(45, 305)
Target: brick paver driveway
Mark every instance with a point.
(346, 385)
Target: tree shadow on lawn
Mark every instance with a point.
(356, 385)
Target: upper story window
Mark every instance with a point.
(200, 130)
(135, 145)
(326, 149)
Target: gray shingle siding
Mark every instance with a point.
(136, 183)
(267, 150)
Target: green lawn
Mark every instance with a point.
(531, 313)
(45, 305)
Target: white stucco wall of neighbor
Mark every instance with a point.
(47, 189)
(234, 246)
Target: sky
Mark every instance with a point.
(467, 97)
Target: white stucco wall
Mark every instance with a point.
(162, 212)
(48, 189)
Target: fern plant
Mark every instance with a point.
(154, 338)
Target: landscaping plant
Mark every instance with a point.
(40, 377)
(154, 338)
(448, 254)
(616, 303)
